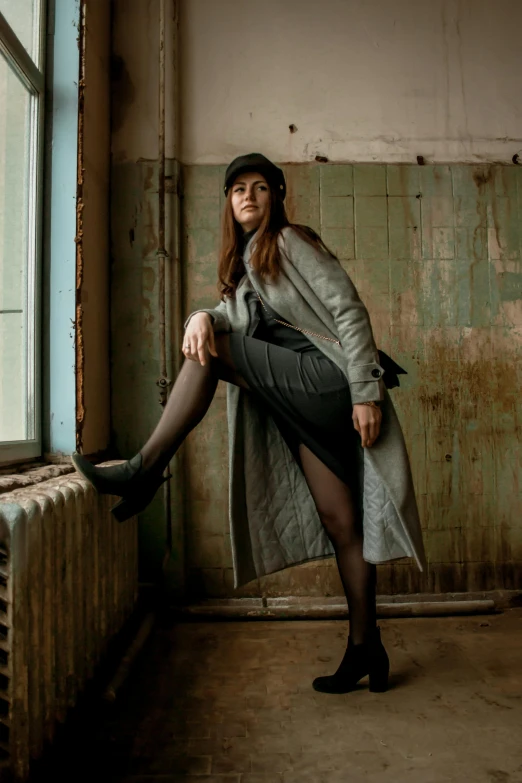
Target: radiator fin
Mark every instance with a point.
(68, 582)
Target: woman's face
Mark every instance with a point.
(250, 199)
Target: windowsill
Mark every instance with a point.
(27, 475)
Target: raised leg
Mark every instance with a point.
(138, 479)
(188, 403)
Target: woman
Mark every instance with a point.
(314, 441)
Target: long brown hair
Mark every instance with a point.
(265, 258)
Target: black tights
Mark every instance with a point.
(188, 403)
(338, 513)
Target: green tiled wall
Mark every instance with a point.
(435, 252)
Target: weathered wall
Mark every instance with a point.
(60, 230)
(435, 252)
(363, 80)
(135, 350)
(135, 42)
(135, 332)
(93, 377)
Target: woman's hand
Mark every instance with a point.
(199, 338)
(367, 422)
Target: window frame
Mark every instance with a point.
(32, 76)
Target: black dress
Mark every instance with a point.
(306, 393)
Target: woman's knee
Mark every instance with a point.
(342, 528)
(225, 366)
(222, 343)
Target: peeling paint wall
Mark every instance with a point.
(135, 331)
(135, 349)
(435, 252)
(92, 283)
(362, 80)
(135, 80)
(60, 229)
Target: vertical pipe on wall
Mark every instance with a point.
(163, 381)
(176, 575)
(177, 325)
(162, 252)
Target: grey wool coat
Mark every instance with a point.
(273, 519)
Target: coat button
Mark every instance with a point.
(376, 373)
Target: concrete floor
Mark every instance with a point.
(233, 703)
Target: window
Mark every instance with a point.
(21, 156)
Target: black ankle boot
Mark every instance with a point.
(359, 660)
(127, 480)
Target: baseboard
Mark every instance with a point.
(333, 608)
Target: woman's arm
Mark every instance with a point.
(330, 283)
(218, 315)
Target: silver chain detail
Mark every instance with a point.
(297, 328)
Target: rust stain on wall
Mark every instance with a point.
(482, 177)
(447, 307)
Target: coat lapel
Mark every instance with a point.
(278, 295)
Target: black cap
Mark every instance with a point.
(254, 161)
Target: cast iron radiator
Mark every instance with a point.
(68, 582)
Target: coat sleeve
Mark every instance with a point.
(327, 279)
(219, 317)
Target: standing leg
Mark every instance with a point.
(337, 510)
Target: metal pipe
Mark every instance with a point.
(254, 610)
(163, 381)
(174, 272)
(162, 251)
(175, 267)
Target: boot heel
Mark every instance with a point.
(379, 681)
(130, 506)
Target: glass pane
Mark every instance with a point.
(16, 251)
(23, 16)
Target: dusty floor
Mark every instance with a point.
(233, 703)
